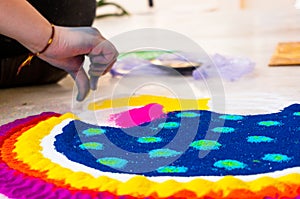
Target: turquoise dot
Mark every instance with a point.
(296, 113)
(276, 158)
(223, 130)
(169, 125)
(146, 140)
(93, 131)
(230, 164)
(259, 139)
(172, 169)
(91, 145)
(206, 145)
(163, 153)
(231, 117)
(113, 162)
(188, 114)
(269, 123)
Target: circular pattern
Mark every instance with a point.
(27, 173)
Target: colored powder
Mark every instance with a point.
(91, 145)
(149, 139)
(269, 123)
(93, 131)
(259, 139)
(169, 125)
(296, 114)
(231, 117)
(188, 114)
(230, 164)
(163, 153)
(172, 169)
(223, 130)
(276, 158)
(206, 145)
(113, 162)
(138, 116)
(169, 104)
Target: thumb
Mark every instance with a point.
(82, 83)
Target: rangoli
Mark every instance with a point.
(165, 153)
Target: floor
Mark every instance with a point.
(251, 30)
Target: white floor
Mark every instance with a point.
(217, 26)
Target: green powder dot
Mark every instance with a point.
(113, 162)
(169, 125)
(91, 145)
(188, 114)
(146, 140)
(163, 153)
(231, 117)
(93, 131)
(230, 164)
(172, 169)
(269, 123)
(206, 145)
(276, 158)
(259, 139)
(223, 130)
(296, 113)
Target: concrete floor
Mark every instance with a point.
(216, 26)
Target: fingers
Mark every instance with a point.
(102, 58)
(94, 76)
(82, 83)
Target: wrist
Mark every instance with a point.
(41, 39)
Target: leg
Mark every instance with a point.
(38, 72)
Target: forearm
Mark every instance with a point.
(20, 21)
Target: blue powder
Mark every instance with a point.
(242, 147)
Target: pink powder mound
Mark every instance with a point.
(137, 116)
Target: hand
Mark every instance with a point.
(68, 50)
